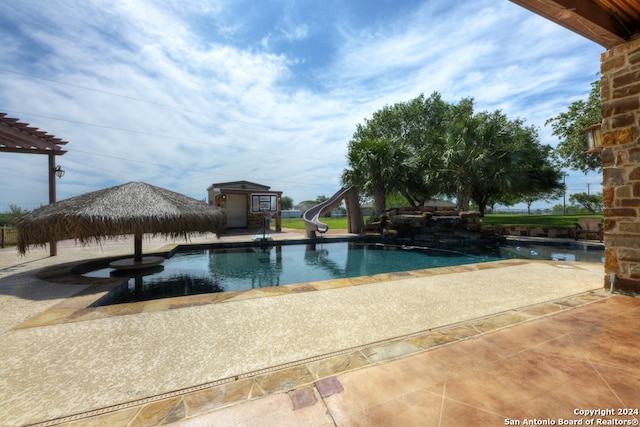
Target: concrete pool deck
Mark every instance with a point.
(339, 352)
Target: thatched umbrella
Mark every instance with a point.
(133, 208)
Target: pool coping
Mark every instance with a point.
(79, 307)
(84, 305)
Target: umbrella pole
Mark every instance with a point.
(137, 248)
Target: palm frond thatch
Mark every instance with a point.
(133, 208)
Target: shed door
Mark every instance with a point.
(237, 211)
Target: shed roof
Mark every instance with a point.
(239, 185)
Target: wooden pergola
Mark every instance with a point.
(17, 137)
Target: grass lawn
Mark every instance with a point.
(540, 220)
(493, 219)
(333, 223)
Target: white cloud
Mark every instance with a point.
(151, 92)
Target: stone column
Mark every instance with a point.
(620, 97)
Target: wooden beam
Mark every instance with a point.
(53, 245)
(582, 17)
(11, 137)
(31, 151)
(14, 134)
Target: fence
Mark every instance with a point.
(8, 236)
(547, 211)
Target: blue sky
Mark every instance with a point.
(185, 94)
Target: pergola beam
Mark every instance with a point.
(17, 137)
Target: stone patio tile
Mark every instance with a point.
(260, 293)
(120, 309)
(49, 317)
(274, 410)
(425, 272)
(302, 398)
(460, 332)
(329, 386)
(430, 340)
(302, 287)
(117, 418)
(339, 364)
(542, 310)
(285, 379)
(215, 397)
(389, 351)
(190, 302)
(332, 284)
(500, 321)
(79, 301)
(363, 280)
(220, 297)
(88, 314)
(570, 302)
(162, 412)
(390, 277)
(156, 305)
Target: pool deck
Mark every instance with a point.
(487, 344)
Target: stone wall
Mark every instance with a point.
(441, 225)
(542, 231)
(620, 96)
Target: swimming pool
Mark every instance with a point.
(206, 270)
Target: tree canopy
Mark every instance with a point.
(6, 218)
(427, 147)
(591, 202)
(389, 152)
(568, 126)
(286, 202)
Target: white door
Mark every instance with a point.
(237, 211)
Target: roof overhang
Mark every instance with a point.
(606, 22)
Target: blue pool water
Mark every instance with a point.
(234, 269)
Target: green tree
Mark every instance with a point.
(491, 159)
(460, 155)
(590, 202)
(426, 147)
(6, 218)
(286, 202)
(422, 141)
(398, 151)
(371, 168)
(547, 196)
(568, 126)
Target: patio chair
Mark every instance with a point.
(589, 225)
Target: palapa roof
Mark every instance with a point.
(133, 208)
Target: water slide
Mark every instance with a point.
(312, 216)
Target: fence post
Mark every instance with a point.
(2, 238)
